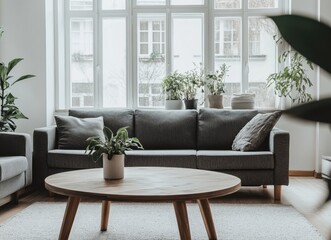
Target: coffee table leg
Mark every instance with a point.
(207, 218)
(105, 215)
(182, 220)
(69, 216)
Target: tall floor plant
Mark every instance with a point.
(9, 111)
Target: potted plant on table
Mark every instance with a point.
(8, 110)
(193, 80)
(215, 85)
(172, 86)
(292, 81)
(112, 149)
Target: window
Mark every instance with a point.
(115, 53)
(151, 60)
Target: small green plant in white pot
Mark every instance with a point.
(192, 82)
(172, 86)
(112, 149)
(215, 85)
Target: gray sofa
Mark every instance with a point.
(180, 138)
(15, 164)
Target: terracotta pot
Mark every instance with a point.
(114, 168)
(191, 104)
(215, 101)
(173, 104)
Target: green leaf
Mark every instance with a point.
(317, 111)
(13, 63)
(108, 133)
(307, 36)
(23, 78)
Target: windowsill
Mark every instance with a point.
(65, 111)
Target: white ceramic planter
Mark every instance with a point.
(173, 104)
(114, 168)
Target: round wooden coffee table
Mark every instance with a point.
(144, 184)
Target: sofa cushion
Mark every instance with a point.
(12, 166)
(161, 158)
(73, 132)
(113, 118)
(218, 128)
(234, 160)
(171, 129)
(252, 135)
(70, 159)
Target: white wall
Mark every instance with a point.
(324, 132)
(29, 26)
(24, 25)
(308, 141)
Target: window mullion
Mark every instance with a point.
(98, 81)
(245, 64)
(129, 55)
(168, 44)
(67, 57)
(134, 93)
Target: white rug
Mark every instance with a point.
(140, 221)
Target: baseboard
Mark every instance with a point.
(299, 173)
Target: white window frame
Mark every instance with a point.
(244, 13)
(62, 33)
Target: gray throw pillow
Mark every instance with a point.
(252, 135)
(73, 132)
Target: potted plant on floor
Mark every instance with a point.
(8, 110)
(215, 85)
(292, 81)
(112, 149)
(193, 80)
(172, 86)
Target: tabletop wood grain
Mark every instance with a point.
(144, 184)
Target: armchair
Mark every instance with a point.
(15, 164)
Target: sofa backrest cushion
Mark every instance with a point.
(113, 118)
(170, 129)
(217, 128)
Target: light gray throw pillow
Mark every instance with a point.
(73, 132)
(252, 135)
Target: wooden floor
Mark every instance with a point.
(304, 193)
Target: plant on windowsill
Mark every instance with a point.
(215, 85)
(193, 80)
(292, 81)
(9, 111)
(112, 149)
(172, 86)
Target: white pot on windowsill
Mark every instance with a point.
(173, 104)
(215, 101)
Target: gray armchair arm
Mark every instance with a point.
(17, 144)
(280, 145)
(44, 139)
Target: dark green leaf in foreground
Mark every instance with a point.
(310, 38)
(317, 111)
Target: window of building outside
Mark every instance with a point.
(116, 52)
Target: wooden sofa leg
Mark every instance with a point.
(51, 194)
(277, 192)
(15, 198)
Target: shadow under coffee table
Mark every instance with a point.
(144, 184)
